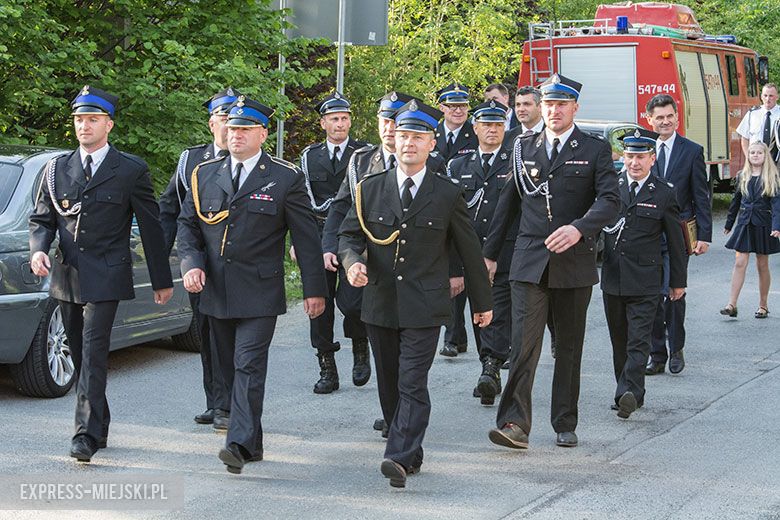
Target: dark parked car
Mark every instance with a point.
(610, 131)
(32, 336)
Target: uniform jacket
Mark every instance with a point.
(408, 280)
(323, 179)
(687, 173)
(367, 160)
(467, 170)
(757, 210)
(465, 143)
(633, 265)
(247, 280)
(174, 194)
(584, 193)
(93, 263)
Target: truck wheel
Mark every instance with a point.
(47, 370)
(188, 341)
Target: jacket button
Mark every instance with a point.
(229, 243)
(484, 202)
(381, 219)
(486, 183)
(550, 176)
(403, 226)
(400, 277)
(430, 223)
(228, 260)
(84, 214)
(81, 249)
(86, 196)
(403, 241)
(484, 220)
(233, 207)
(401, 259)
(232, 225)
(83, 231)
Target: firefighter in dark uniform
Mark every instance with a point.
(366, 161)
(324, 166)
(232, 231)
(455, 137)
(632, 272)
(395, 242)
(565, 190)
(88, 198)
(482, 174)
(217, 395)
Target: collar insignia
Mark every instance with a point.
(85, 90)
(503, 156)
(574, 143)
(268, 186)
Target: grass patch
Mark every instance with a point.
(292, 276)
(720, 202)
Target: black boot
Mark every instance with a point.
(361, 369)
(489, 384)
(329, 375)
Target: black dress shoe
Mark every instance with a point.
(206, 417)
(379, 424)
(653, 368)
(257, 457)
(221, 421)
(676, 362)
(449, 350)
(385, 431)
(82, 447)
(626, 405)
(232, 457)
(566, 439)
(510, 436)
(361, 368)
(395, 472)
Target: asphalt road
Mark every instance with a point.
(704, 445)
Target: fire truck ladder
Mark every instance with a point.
(540, 37)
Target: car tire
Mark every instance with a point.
(47, 370)
(188, 341)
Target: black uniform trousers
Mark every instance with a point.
(496, 338)
(349, 300)
(88, 327)
(630, 321)
(455, 330)
(530, 303)
(242, 344)
(669, 324)
(403, 358)
(212, 378)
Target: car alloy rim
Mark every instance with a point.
(61, 365)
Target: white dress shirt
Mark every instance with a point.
(97, 157)
(248, 166)
(562, 138)
(417, 178)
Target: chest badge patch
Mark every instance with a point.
(65, 203)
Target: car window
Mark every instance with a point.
(9, 179)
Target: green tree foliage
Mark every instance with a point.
(162, 59)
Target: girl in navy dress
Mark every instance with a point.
(756, 210)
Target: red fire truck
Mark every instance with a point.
(632, 51)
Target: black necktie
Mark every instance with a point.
(527, 133)
(237, 178)
(632, 191)
(406, 193)
(392, 162)
(335, 159)
(450, 142)
(767, 128)
(486, 162)
(88, 168)
(662, 160)
(554, 153)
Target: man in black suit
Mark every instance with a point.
(88, 197)
(324, 166)
(680, 162)
(482, 174)
(217, 395)
(528, 108)
(395, 242)
(564, 188)
(455, 137)
(232, 229)
(632, 272)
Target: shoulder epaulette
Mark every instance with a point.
(134, 158)
(372, 175)
(434, 153)
(369, 148)
(444, 177)
(284, 163)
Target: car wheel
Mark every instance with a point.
(190, 340)
(47, 370)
